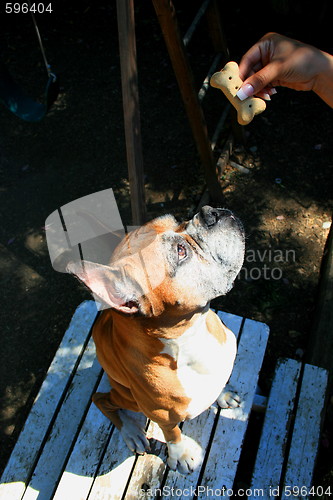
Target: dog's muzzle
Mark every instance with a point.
(211, 217)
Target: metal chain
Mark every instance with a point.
(48, 68)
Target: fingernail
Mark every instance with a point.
(246, 91)
(266, 96)
(273, 90)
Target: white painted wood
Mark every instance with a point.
(232, 423)
(96, 469)
(18, 469)
(66, 425)
(306, 433)
(259, 403)
(82, 465)
(149, 469)
(270, 456)
(200, 430)
(114, 471)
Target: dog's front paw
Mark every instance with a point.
(184, 456)
(228, 399)
(134, 435)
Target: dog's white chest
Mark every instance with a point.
(204, 364)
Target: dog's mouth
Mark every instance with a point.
(209, 220)
(219, 233)
(213, 218)
(235, 224)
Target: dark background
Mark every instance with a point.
(79, 149)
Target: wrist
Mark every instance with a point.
(323, 84)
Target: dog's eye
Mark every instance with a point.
(182, 252)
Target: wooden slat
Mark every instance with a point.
(82, 466)
(151, 468)
(168, 21)
(65, 428)
(270, 456)
(18, 469)
(95, 462)
(151, 472)
(226, 446)
(320, 349)
(227, 145)
(215, 30)
(114, 470)
(189, 33)
(132, 123)
(205, 84)
(200, 430)
(306, 432)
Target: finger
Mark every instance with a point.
(259, 81)
(257, 56)
(251, 62)
(266, 93)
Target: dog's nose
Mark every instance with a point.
(211, 216)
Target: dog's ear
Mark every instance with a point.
(107, 285)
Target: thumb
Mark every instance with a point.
(259, 81)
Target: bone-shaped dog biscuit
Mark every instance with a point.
(229, 82)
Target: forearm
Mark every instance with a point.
(323, 86)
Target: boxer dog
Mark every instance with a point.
(166, 353)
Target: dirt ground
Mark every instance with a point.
(285, 196)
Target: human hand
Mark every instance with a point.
(278, 60)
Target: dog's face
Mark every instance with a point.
(166, 266)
